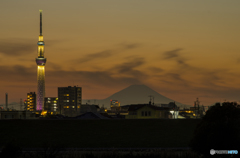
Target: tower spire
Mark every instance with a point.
(41, 61)
(40, 22)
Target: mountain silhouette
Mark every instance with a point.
(134, 94)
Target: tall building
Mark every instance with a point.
(41, 61)
(51, 104)
(69, 100)
(31, 101)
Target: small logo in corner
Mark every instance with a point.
(212, 152)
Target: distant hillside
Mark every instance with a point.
(134, 94)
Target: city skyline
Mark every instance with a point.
(182, 50)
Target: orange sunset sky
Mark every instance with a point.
(183, 49)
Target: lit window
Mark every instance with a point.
(72, 100)
(73, 106)
(67, 100)
(78, 107)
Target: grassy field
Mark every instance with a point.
(99, 133)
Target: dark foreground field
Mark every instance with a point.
(154, 133)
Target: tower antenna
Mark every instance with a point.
(40, 22)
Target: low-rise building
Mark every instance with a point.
(146, 111)
(17, 115)
(187, 113)
(89, 108)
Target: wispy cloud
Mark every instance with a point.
(130, 65)
(16, 47)
(98, 55)
(185, 75)
(155, 69)
(172, 53)
(54, 66)
(130, 68)
(107, 53)
(127, 46)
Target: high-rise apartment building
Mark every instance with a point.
(41, 61)
(69, 100)
(51, 104)
(31, 101)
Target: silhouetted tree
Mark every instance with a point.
(218, 130)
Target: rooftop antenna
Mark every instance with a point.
(6, 101)
(20, 104)
(150, 96)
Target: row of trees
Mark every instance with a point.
(218, 130)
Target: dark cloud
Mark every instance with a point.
(198, 80)
(98, 55)
(129, 66)
(155, 69)
(16, 47)
(106, 53)
(172, 54)
(94, 78)
(176, 56)
(18, 74)
(176, 79)
(131, 46)
(54, 66)
(19, 70)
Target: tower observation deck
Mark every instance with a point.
(41, 61)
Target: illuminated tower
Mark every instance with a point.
(41, 61)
